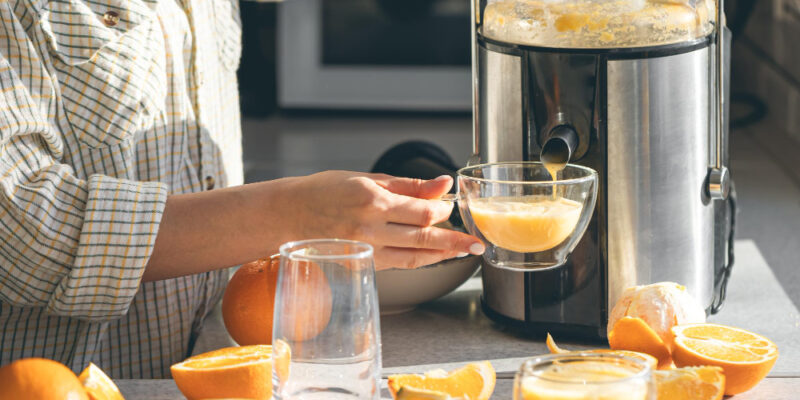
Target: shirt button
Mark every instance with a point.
(111, 18)
(201, 78)
(209, 182)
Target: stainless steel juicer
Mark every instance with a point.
(630, 89)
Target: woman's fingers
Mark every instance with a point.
(394, 257)
(431, 238)
(412, 211)
(422, 189)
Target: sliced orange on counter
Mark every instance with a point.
(409, 393)
(633, 334)
(240, 372)
(745, 357)
(690, 383)
(474, 381)
(650, 360)
(98, 385)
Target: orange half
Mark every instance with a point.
(746, 357)
(238, 372)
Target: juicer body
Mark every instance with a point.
(644, 119)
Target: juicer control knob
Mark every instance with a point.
(719, 183)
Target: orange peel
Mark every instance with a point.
(633, 334)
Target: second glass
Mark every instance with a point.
(584, 376)
(326, 319)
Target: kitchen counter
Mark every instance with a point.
(452, 331)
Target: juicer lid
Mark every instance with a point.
(597, 24)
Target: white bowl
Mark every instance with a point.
(401, 290)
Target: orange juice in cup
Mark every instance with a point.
(526, 223)
(587, 376)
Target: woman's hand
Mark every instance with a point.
(395, 215)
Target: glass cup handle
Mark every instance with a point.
(450, 197)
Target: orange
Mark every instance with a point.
(307, 302)
(242, 372)
(661, 305)
(39, 378)
(474, 381)
(650, 360)
(98, 385)
(248, 302)
(745, 357)
(631, 333)
(691, 383)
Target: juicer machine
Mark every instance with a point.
(635, 91)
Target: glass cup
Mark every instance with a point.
(525, 218)
(584, 376)
(326, 320)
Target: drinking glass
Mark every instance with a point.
(525, 218)
(326, 320)
(584, 376)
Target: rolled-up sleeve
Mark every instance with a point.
(75, 247)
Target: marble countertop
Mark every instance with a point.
(451, 331)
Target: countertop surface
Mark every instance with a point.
(451, 331)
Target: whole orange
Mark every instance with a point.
(39, 378)
(248, 302)
(306, 301)
(249, 299)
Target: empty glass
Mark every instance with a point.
(527, 220)
(326, 318)
(584, 376)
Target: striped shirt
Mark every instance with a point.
(106, 107)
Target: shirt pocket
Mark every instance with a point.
(228, 25)
(109, 61)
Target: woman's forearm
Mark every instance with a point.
(200, 232)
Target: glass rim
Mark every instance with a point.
(364, 250)
(590, 176)
(526, 369)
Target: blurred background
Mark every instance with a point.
(333, 84)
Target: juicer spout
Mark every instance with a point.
(561, 143)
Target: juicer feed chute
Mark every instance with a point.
(629, 89)
(597, 23)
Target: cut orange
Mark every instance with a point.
(474, 381)
(745, 357)
(409, 393)
(633, 333)
(243, 372)
(553, 347)
(39, 378)
(691, 383)
(98, 385)
(650, 360)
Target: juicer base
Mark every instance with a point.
(541, 329)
